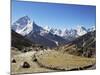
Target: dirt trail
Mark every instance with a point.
(28, 56)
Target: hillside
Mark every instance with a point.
(35, 33)
(82, 46)
(19, 41)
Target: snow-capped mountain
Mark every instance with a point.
(47, 28)
(56, 31)
(53, 31)
(23, 26)
(47, 36)
(70, 34)
(81, 30)
(36, 33)
(93, 28)
(76, 32)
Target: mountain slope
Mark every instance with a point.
(50, 37)
(82, 46)
(41, 36)
(19, 41)
(34, 37)
(35, 33)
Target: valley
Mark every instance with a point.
(49, 61)
(35, 49)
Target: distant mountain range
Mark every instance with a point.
(50, 37)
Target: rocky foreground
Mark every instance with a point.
(19, 67)
(48, 61)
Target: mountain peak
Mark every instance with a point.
(81, 27)
(81, 30)
(23, 20)
(23, 25)
(25, 17)
(47, 28)
(93, 28)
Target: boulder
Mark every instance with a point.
(25, 65)
(35, 60)
(13, 61)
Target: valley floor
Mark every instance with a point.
(47, 61)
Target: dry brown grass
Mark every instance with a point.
(59, 60)
(48, 61)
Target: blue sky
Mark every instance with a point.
(55, 15)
